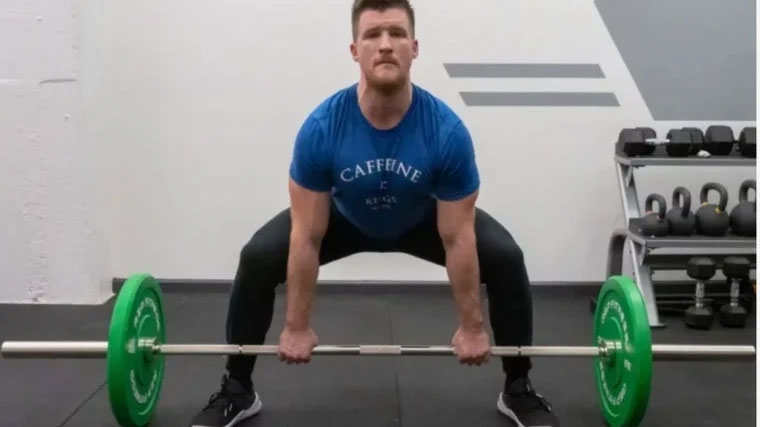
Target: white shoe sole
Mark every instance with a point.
(508, 412)
(246, 413)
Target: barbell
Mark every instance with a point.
(136, 346)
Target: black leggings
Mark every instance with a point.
(263, 265)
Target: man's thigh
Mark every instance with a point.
(270, 244)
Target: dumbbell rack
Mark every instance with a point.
(645, 251)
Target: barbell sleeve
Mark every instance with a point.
(54, 349)
(98, 349)
(690, 352)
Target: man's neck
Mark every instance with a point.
(384, 110)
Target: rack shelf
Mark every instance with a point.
(645, 250)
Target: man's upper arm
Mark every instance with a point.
(310, 182)
(457, 186)
(310, 164)
(458, 175)
(456, 219)
(309, 212)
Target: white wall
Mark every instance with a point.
(190, 109)
(53, 240)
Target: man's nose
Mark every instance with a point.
(385, 42)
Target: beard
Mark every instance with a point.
(385, 85)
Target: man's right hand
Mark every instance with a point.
(296, 345)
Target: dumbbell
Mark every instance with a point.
(748, 142)
(735, 269)
(699, 315)
(697, 138)
(719, 140)
(633, 142)
(679, 143)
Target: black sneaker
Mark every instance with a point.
(229, 406)
(525, 407)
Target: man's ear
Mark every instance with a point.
(416, 48)
(354, 52)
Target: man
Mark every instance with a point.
(381, 166)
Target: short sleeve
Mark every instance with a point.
(309, 166)
(458, 175)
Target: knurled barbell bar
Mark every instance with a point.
(99, 349)
(623, 351)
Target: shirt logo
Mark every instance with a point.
(381, 165)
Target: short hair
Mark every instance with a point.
(379, 5)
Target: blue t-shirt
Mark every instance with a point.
(385, 181)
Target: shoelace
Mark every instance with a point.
(530, 400)
(218, 400)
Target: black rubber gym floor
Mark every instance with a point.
(365, 391)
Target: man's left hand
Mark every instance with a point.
(472, 345)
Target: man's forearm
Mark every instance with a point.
(303, 267)
(464, 275)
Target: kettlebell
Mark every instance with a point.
(681, 220)
(712, 219)
(743, 222)
(654, 223)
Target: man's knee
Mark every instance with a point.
(503, 271)
(501, 257)
(264, 258)
(496, 246)
(512, 254)
(254, 251)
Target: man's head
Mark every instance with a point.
(384, 43)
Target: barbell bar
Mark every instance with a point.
(99, 349)
(622, 351)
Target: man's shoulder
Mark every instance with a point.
(437, 107)
(443, 114)
(334, 103)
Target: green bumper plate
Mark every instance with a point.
(624, 379)
(134, 373)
